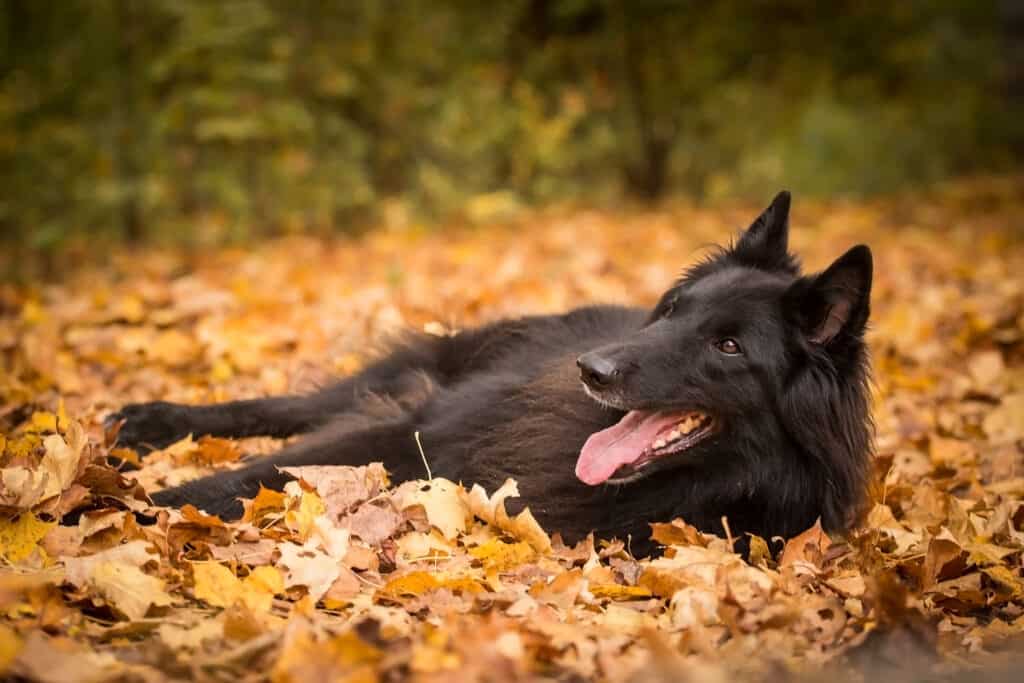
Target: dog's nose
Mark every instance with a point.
(598, 372)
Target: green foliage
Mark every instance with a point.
(209, 121)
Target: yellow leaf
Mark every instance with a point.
(442, 501)
(42, 422)
(267, 501)
(221, 370)
(496, 554)
(417, 583)
(128, 589)
(23, 446)
(616, 591)
(266, 578)
(760, 554)
(303, 519)
(214, 451)
(492, 510)
(10, 646)
(215, 584)
(1007, 580)
(173, 348)
(414, 583)
(19, 538)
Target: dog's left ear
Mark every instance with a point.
(835, 304)
(765, 243)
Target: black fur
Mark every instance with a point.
(506, 400)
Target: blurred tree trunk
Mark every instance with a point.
(646, 169)
(1012, 15)
(127, 123)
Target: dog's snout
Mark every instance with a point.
(597, 371)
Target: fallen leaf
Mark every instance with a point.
(806, 548)
(492, 510)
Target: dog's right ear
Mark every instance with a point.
(834, 306)
(765, 244)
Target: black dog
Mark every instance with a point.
(742, 395)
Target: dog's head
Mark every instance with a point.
(742, 348)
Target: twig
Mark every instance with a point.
(423, 455)
(728, 532)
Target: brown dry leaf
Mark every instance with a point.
(373, 522)
(677, 532)
(342, 488)
(807, 548)
(616, 591)
(258, 553)
(492, 511)
(562, 591)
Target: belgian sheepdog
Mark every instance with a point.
(741, 395)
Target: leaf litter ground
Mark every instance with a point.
(342, 576)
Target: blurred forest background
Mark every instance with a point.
(199, 121)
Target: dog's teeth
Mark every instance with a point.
(659, 443)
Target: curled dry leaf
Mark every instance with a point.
(23, 487)
(492, 510)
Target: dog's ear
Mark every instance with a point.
(834, 305)
(765, 243)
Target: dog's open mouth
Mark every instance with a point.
(618, 453)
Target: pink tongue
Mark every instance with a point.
(621, 444)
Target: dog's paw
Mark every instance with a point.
(148, 426)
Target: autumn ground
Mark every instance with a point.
(342, 578)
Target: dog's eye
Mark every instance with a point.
(669, 309)
(728, 346)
